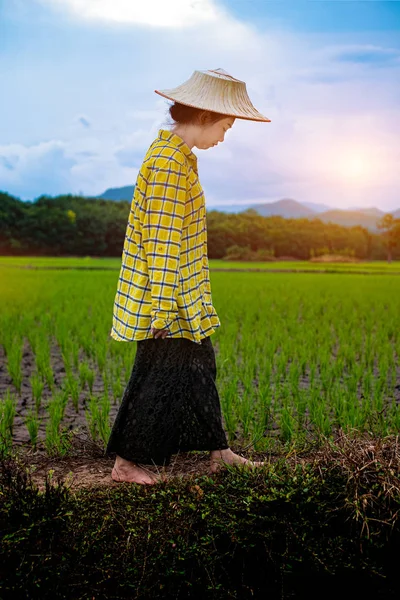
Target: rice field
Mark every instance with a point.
(299, 355)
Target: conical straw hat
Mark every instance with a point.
(217, 91)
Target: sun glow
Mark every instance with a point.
(356, 167)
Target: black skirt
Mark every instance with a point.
(171, 403)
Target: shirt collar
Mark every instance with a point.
(174, 140)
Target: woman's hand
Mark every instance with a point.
(162, 333)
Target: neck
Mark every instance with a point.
(185, 133)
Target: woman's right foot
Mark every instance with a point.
(220, 457)
(125, 470)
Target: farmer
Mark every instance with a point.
(163, 299)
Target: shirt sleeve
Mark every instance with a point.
(162, 236)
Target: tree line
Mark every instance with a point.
(78, 226)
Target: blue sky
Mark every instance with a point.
(78, 109)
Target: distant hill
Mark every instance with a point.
(230, 208)
(350, 218)
(122, 193)
(318, 208)
(286, 208)
(236, 208)
(375, 212)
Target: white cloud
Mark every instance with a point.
(24, 170)
(153, 13)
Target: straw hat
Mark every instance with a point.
(217, 91)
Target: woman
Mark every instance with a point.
(163, 300)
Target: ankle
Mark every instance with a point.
(122, 462)
(220, 453)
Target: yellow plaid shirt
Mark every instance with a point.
(164, 280)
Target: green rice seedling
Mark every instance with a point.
(53, 436)
(87, 344)
(62, 333)
(74, 352)
(106, 380)
(322, 422)
(32, 422)
(117, 388)
(72, 389)
(43, 361)
(83, 373)
(287, 424)
(63, 337)
(46, 322)
(101, 355)
(90, 375)
(92, 418)
(9, 327)
(116, 350)
(67, 361)
(103, 422)
(32, 335)
(245, 413)
(14, 362)
(85, 336)
(228, 404)
(57, 441)
(262, 417)
(8, 407)
(301, 407)
(63, 396)
(37, 387)
(367, 383)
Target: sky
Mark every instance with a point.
(78, 109)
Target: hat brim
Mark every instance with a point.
(261, 119)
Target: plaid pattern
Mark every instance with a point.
(164, 279)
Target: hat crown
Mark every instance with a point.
(220, 74)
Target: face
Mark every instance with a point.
(211, 135)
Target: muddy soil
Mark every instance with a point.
(85, 466)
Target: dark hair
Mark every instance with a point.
(183, 114)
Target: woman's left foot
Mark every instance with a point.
(220, 457)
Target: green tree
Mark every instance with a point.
(390, 228)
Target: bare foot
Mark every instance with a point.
(125, 470)
(220, 457)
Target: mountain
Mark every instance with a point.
(318, 208)
(375, 212)
(287, 208)
(122, 193)
(350, 218)
(314, 207)
(230, 208)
